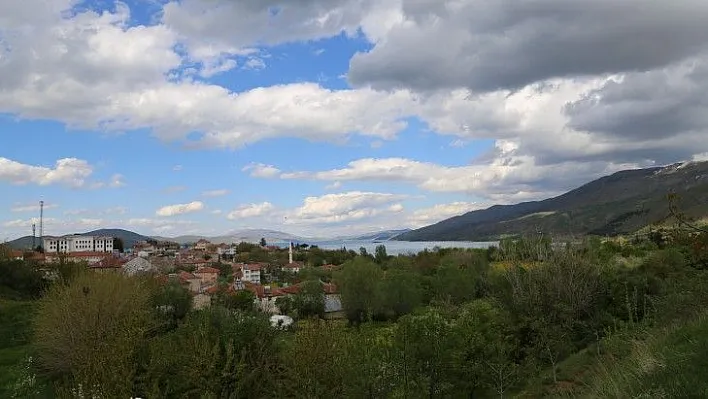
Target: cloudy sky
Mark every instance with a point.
(326, 117)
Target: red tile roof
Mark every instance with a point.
(294, 265)
(186, 276)
(207, 270)
(329, 288)
(109, 262)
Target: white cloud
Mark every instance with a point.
(506, 177)
(701, 157)
(117, 180)
(67, 171)
(261, 170)
(251, 210)
(344, 207)
(177, 168)
(180, 209)
(33, 207)
(334, 186)
(215, 193)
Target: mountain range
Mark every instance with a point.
(129, 238)
(621, 203)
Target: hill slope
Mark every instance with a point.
(620, 203)
(129, 238)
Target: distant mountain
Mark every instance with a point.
(621, 203)
(248, 235)
(378, 235)
(129, 238)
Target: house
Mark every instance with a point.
(252, 272)
(190, 281)
(109, 264)
(16, 254)
(293, 267)
(207, 275)
(201, 245)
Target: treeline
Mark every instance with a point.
(514, 320)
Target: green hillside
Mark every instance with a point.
(129, 238)
(620, 203)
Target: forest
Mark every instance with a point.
(531, 318)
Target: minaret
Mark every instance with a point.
(290, 253)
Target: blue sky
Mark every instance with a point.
(206, 117)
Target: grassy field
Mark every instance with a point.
(15, 332)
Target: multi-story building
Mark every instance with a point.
(76, 243)
(252, 272)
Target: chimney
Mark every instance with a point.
(290, 253)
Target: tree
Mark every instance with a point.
(172, 303)
(358, 283)
(221, 354)
(240, 300)
(380, 254)
(118, 244)
(427, 343)
(401, 292)
(310, 300)
(88, 331)
(263, 242)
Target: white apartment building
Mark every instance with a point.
(251, 273)
(68, 244)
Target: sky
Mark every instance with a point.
(331, 117)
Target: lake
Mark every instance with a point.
(398, 247)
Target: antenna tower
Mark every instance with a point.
(41, 224)
(34, 236)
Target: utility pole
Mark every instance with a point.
(41, 224)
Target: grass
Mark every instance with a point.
(15, 332)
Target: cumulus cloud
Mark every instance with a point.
(67, 171)
(344, 207)
(507, 177)
(485, 41)
(261, 170)
(180, 209)
(251, 210)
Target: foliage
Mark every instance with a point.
(309, 301)
(88, 331)
(215, 353)
(20, 280)
(358, 286)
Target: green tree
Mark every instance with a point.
(242, 300)
(222, 354)
(380, 255)
(118, 244)
(172, 302)
(358, 283)
(427, 343)
(263, 242)
(400, 293)
(89, 330)
(309, 301)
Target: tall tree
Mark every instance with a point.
(358, 283)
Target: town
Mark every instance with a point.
(205, 269)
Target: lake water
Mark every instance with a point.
(398, 247)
